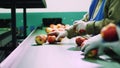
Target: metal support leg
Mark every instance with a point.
(13, 17)
(25, 22)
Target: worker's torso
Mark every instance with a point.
(97, 9)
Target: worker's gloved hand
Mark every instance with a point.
(92, 43)
(110, 48)
(80, 26)
(59, 34)
(115, 46)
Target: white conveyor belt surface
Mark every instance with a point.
(27, 55)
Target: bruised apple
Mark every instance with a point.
(79, 40)
(109, 33)
(40, 39)
(51, 39)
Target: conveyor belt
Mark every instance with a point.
(64, 55)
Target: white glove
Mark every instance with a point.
(79, 25)
(59, 34)
(115, 46)
(97, 42)
(93, 43)
(118, 31)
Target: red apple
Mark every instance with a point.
(109, 33)
(59, 40)
(79, 40)
(51, 39)
(82, 32)
(40, 39)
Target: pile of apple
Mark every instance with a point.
(57, 27)
(51, 39)
(41, 39)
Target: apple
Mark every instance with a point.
(79, 40)
(82, 32)
(48, 29)
(52, 26)
(51, 39)
(59, 25)
(40, 39)
(62, 26)
(109, 33)
(59, 40)
(92, 54)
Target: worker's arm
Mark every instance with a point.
(112, 15)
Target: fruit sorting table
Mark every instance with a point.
(60, 55)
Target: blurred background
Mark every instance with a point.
(67, 10)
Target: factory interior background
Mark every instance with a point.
(25, 42)
(67, 10)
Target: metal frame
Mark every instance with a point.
(20, 4)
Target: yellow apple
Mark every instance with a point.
(48, 29)
(40, 39)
